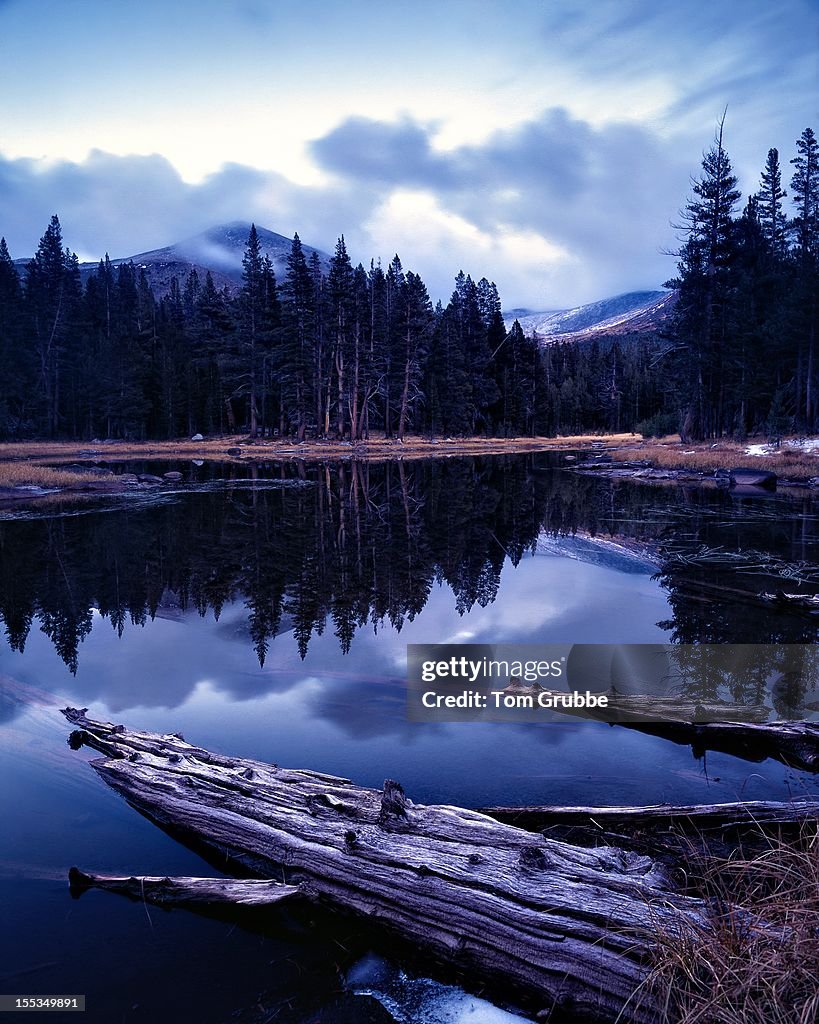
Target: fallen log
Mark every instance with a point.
(748, 736)
(675, 835)
(176, 892)
(547, 924)
(795, 744)
(694, 817)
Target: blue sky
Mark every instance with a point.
(546, 145)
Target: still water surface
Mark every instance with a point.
(269, 618)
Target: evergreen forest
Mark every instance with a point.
(343, 351)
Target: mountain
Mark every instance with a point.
(622, 314)
(218, 250)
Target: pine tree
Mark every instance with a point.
(416, 322)
(270, 376)
(340, 302)
(475, 344)
(17, 370)
(361, 368)
(771, 212)
(318, 340)
(297, 355)
(700, 321)
(805, 187)
(212, 341)
(395, 282)
(52, 293)
(170, 365)
(375, 374)
(251, 326)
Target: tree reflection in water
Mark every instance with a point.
(351, 543)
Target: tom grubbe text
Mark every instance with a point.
(505, 699)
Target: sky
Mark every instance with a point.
(546, 145)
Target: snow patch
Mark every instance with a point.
(421, 1000)
(808, 445)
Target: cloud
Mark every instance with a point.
(125, 205)
(440, 242)
(556, 210)
(377, 151)
(590, 207)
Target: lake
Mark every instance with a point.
(265, 612)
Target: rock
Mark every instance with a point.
(741, 477)
(197, 437)
(173, 476)
(234, 451)
(149, 478)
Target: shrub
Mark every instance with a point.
(659, 425)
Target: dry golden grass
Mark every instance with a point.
(27, 474)
(30, 463)
(216, 448)
(740, 971)
(670, 453)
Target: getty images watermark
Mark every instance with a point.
(609, 682)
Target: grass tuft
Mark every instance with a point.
(758, 962)
(28, 474)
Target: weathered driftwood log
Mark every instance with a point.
(678, 836)
(242, 892)
(547, 924)
(795, 744)
(760, 814)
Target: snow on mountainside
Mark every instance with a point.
(219, 250)
(634, 311)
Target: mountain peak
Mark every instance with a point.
(218, 249)
(631, 311)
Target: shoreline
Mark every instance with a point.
(32, 470)
(39, 469)
(224, 447)
(669, 460)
